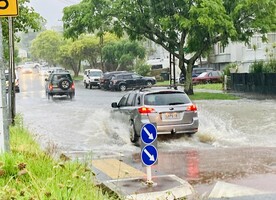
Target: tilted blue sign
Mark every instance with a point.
(148, 133)
(149, 155)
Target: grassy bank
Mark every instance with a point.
(27, 172)
(198, 95)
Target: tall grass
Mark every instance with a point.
(29, 173)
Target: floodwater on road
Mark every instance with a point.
(85, 124)
(236, 138)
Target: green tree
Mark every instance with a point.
(46, 46)
(70, 57)
(123, 54)
(185, 28)
(142, 68)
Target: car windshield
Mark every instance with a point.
(95, 73)
(166, 98)
(203, 74)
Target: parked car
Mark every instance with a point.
(126, 81)
(16, 81)
(106, 77)
(196, 72)
(171, 111)
(92, 77)
(60, 83)
(208, 77)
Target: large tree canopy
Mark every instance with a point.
(46, 46)
(185, 28)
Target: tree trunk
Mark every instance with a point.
(188, 82)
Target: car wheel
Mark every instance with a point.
(133, 135)
(64, 84)
(149, 83)
(122, 87)
(90, 86)
(71, 96)
(85, 85)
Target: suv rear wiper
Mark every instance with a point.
(176, 103)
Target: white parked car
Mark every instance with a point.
(92, 77)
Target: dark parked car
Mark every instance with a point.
(170, 110)
(106, 77)
(126, 81)
(208, 77)
(60, 83)
(196, 72)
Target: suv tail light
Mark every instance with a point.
(73, 86)
(145, 110)
(50, 87)
(191, 108)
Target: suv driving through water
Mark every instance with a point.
(60, 83)
(170, 110)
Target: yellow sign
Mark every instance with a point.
(8, 8)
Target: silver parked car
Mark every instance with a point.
(170, 110)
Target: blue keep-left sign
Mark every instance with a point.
(148, 133)
(149, 155)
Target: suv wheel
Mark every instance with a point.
(85, 85)
(122, 87)
(64, 84)
(133, 135)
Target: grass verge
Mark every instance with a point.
(212, 96)
(27, 172)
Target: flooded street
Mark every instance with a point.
(236, 139)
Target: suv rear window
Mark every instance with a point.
(166, 98)
(57, 77)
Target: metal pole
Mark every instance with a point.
(4, 130)
(149, 177)
(12, 73)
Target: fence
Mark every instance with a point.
(262, 83)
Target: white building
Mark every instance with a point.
(244, 55)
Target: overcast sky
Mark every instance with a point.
(51, 10)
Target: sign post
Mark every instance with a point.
(149, 153)
(8, 8)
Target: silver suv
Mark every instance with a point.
(170, 110)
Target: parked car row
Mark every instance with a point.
(204, 75)
(116, 80)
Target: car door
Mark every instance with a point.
(138, 80)
(130, 82)
(125, 106)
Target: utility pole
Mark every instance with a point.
(4, 130)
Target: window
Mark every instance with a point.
(221, 48)
(166, 98)
(123, 101)
(255, 43)
(130, 100)
(127, 77)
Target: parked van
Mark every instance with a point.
(91, 77)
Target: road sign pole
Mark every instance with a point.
(149, 177)
(4, 130)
